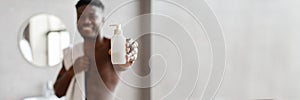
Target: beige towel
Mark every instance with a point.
(76, 90)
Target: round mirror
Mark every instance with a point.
(43, 39)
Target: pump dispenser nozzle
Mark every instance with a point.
(118, 29)
(117, 25)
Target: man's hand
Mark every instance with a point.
(82, 64)
(131, 53)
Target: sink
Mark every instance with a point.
(48, 94)
(35, 98)
(43, 98)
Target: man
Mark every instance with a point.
(91, 74)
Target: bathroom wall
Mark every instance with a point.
(262, 39)
(262, 50)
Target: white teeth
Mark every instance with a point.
(86, 28)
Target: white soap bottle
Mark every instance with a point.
(118, 47)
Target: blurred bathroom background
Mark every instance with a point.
(261, 38)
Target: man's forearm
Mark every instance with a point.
(61, 85)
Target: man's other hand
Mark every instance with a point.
(82, 64)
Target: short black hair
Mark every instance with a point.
(97, 3)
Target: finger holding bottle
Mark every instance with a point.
(132, 52)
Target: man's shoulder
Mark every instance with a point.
(106, 39)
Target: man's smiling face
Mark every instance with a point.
(89, 18)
